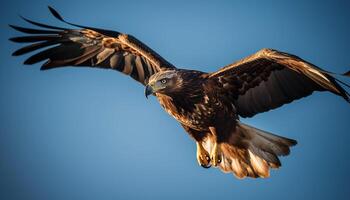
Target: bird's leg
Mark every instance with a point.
(203, 157)
(215, 154)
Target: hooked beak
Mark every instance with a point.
(148, 90)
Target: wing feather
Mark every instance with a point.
(92, 47)
(33, 31)
(269, 79)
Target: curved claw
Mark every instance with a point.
(203, 156)
(206, 166)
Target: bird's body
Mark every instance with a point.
(190, 106)
(196, 107)
(207, 105)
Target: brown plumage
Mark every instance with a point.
(207, 105)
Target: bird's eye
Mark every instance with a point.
(163, 81)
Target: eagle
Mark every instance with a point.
(207, 105)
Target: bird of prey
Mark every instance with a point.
(207, 105)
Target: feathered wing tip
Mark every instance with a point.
(48, 36)
(103, 31)
(343, 92)
(55, 13)
(55, 29)
(258, 152)
(337, 83)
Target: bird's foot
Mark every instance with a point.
(203, 156)
(215, 155)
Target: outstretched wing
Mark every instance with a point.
(90, 47)
(269, 78)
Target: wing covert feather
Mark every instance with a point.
(91, 47)
(269, 79)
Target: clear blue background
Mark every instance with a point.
(91, 134)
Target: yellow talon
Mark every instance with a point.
(203, 157)
(215, 155)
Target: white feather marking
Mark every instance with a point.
(128, 66)
(103, 55)
(139, 68)
(225, 165)
(316, 72)
(260, 166)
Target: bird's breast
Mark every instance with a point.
(199, 117)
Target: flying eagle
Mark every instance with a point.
(207, 105)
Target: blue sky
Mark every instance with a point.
(90, 134)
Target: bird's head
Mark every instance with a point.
(163, 82)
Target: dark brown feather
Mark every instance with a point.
(41, 25)
(36, 38)
(270, 79)
(91, 47)
(33, 31)
(102, 31)
(33, 47)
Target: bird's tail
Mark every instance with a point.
(251, 152)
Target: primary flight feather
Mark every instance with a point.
(207, 105)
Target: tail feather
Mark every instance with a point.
(267, 141)
(259, 152)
